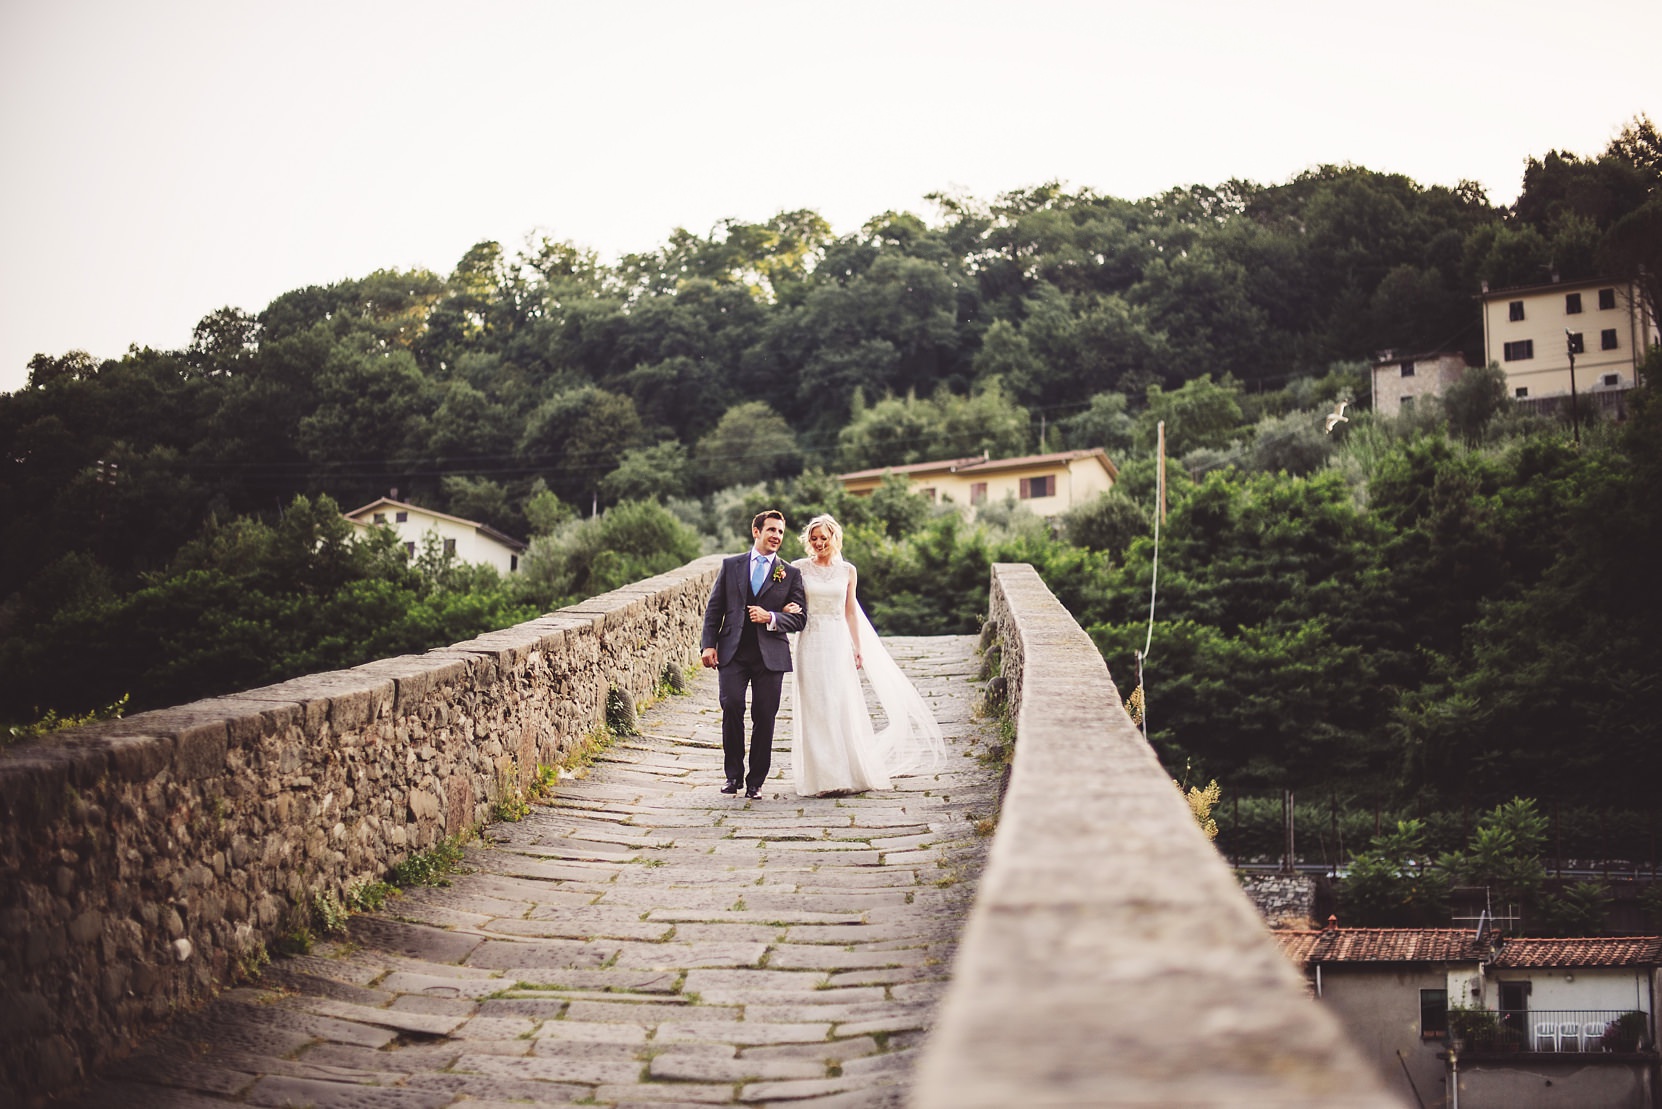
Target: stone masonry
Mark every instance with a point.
(1283, 900)
(146, 862)
(642, 940)
(1111, 958)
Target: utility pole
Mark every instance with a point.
(1160, 434)
(1575, 406)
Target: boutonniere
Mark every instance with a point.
(778, 570)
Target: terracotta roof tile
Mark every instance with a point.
(979, 465)
(1296, 944)
(948, 465)
(1595, 951)
(1037, 460)
(1398, 945)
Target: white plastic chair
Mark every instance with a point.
(1569, 1036)
(1592, 1035)
(1546, 1036)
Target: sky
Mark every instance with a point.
(165, 158)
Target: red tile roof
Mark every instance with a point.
(950, 465)
(1460, 945)
(1039, 460)
(1296, 944)
(1398, 945)
(1596, 951)
(980, 465)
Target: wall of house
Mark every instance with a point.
(1551, 1084)
(1076, 483)
(1431, 376)
(471, 546)
(1545, 320)
(1380, 1008)
(1111, 957)
(145, 860)
(1580, 988)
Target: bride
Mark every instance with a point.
(836, 748)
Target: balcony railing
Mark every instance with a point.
(1559, 1031)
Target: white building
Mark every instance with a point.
(468, 540)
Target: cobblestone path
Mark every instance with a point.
(643, 941)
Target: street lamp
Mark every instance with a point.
(1575, 413)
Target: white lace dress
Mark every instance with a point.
(836, 747)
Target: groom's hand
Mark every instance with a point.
(708, 657)
(760, 615)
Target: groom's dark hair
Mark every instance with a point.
(765, 515)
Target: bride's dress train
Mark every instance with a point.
(836, 749)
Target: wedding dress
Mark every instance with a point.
(836, 747)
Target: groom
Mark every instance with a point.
(744, 638)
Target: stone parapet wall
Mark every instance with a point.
(1283, 900)
(1111, 958)
(145, 862)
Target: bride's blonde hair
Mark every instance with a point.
(832, 528)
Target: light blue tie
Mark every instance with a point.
(758, 575)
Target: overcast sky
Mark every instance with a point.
(163, 158)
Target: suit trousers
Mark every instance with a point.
(746, 671)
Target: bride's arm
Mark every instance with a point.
(850, 610)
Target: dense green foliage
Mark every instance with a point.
(1456, 606)
(244, 604)
(763, 348)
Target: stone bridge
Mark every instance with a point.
(1061, 934)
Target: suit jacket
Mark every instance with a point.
(724, 615)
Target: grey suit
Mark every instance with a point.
(751, 657)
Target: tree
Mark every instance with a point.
(1108, 523)
(1292, 444)
(627, 542)
(897, 431)
(577, 437)
(1199, 413)
(986, 422)
(468, 427)
(1581, 909)
(751, 442)
(1632, 249)
(544, 510)
(46, 371)
(371, 415)
(1394, 882)
(1106, 423)
(1006, 355)
(1474, 400)
(481, 500)
(482, 304)
(1504, 853)
(222, 338)
(654, 473)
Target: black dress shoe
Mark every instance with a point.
(732, 786)
(753, 794)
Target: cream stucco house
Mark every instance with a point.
(1049, 484)
(468, 540)
(1532, 331)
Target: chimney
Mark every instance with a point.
(392, 494)
(1332, 923)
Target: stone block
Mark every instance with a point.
(199, 750)
(138, 758)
